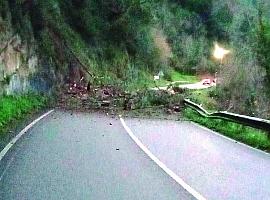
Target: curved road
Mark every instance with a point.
(216, 167)
(189, 86)
(82, 156)
(90, 156)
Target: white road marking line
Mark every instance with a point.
(180, 181)
(16, 138)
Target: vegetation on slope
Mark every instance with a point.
(14, 108)
(117, 40)
(126, 42)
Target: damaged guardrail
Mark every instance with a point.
(254, 122)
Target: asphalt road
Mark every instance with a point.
(217, 168)
(91, 156)
(82, 156)
(190, 86)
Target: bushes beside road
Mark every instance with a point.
(16, 107)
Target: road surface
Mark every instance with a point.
(189, 86)
(91, 156)
(215, 167)
(82, 156)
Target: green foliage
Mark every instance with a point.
(183, 78)
(47, 46)
(220, 21)
(16, 107)
(204, 97)
(202, 7)
(106, 32)
(186, 34)
(126, 42)
(140, 79)
(112, 35)
(148, 98)
(4, 9)
(250, 136)
(263, 48)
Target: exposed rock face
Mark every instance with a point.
(21, 70)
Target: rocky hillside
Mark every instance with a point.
(20, 67)
(126, 42)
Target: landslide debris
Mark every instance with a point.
(113, 99)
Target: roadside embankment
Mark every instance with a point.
(14, 110)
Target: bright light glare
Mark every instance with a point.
(219, 52)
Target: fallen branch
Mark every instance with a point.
(85, 68)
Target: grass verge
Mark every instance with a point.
(146, 80)
(13, 108)
(177, 76)
(203, 97)
(247, 135)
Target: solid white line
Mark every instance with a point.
(227, 138)
(15, 139)
(180, 181)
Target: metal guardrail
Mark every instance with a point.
(254, 122)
